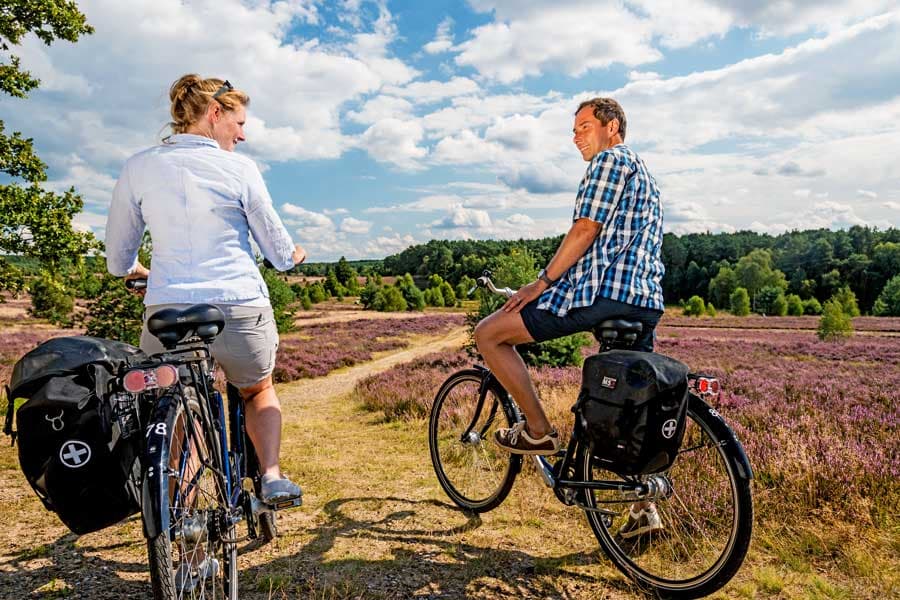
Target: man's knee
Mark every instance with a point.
(482, 334)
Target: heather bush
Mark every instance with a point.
(694, 307)
(888, 302)
(794, 305)
(740, 302)
(835, 324)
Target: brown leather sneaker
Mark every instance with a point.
(516, 440)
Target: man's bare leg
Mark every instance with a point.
(496, 337)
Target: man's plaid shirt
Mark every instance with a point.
(625, 261)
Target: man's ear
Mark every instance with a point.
(613, 127)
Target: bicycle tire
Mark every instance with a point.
(193, 496)
(717, 542)
(475, 473)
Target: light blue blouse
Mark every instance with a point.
(201, 204)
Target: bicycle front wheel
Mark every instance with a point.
(472, 469)
(705, 514)
(194, 555)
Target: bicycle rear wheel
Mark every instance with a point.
(706, 515)
(472, 469)
(194, 555)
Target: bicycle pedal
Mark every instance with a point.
(286, 504)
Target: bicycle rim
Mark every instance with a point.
(706, 518)
(193, 560)
(474, 472)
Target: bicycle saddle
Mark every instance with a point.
(618, 329)
(171, 325)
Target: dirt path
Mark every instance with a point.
(375, 523)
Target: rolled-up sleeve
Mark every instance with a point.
(603, 189)
(124, 227)
(270, 234)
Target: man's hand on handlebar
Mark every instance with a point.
(524, 295)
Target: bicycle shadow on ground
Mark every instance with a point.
(399, 558)
(72, 567)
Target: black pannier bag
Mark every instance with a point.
(632, 407)
(71, 446)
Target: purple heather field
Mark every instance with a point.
(820, 421)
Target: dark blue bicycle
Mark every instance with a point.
(196, 486)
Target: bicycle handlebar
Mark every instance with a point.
(136, 284)
(485, 282)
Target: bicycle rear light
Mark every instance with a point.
(704, 386)
(140, 380)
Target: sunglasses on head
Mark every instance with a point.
(223, 89)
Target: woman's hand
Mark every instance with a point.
(525, 295)
(139, 272)
(299, 254)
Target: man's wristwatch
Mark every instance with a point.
(543, 277)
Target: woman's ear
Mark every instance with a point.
(214, 112)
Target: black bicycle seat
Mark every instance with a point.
(171, 325)
(618, 329)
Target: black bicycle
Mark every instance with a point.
(196, 487)
(703, 500)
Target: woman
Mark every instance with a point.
(200, 202)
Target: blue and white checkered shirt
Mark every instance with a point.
(625, 261)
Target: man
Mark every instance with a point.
(609, 265)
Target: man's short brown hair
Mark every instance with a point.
(606, 109)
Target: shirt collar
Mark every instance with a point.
(191, 139)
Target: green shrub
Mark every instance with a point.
(710, 310)
(447, 292)
(812, 306)
(888, 302)
(317, 293)
(835, 324)
(561, 352)
(415, 299)
(770, 301)
(740, 302)
(367, 295)
(115, 313)
(433, 297)
(11, 279)
(847, 299)
(51, 300)
(794, 305)
(465, 284)
(281, 296)
(389, 299)
(694, 307)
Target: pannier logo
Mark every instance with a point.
(609, 383)
(668, 428)
(74, 454)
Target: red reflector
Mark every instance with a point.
(714, 386)
(134, 381)
(166, 375)
(703, 385)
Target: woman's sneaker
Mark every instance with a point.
(516, 440)
(278, 489)
(643, 522)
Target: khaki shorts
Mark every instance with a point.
(245, 349)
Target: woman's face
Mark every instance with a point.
(229, 129)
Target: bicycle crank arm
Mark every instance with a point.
(545, 470)
(259, 507)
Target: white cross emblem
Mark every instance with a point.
(72, 452)
(669, 427)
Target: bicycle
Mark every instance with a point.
(196, 488)
(703, 500)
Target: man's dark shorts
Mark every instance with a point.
(543, 325)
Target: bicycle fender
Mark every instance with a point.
(724, 431)
(155, 488)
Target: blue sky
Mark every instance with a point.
(381, 124)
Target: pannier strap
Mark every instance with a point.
(7, 426)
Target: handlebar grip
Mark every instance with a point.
(136, 284)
